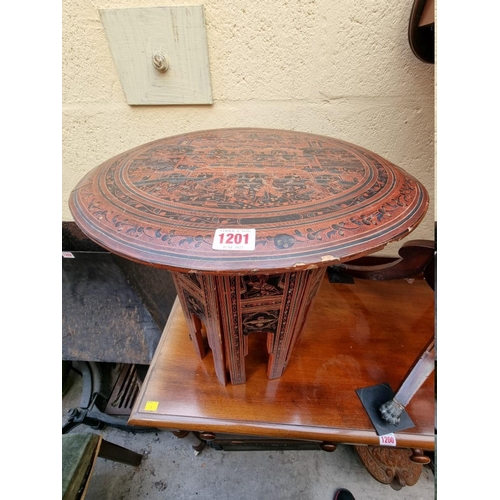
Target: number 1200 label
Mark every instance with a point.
(234, 239)
(387, 440)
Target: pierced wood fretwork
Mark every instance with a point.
(222, 311)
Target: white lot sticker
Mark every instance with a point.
(68, 255)
(387, 440)
(234, 239)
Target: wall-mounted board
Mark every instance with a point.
(160, 53)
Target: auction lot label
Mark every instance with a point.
(234, 239)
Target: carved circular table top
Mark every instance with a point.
(311, 199)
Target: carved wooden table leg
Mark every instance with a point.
(418, 457)
(198, 297)
(193, 438)
(393, 466)
(233, 307)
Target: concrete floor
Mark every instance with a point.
(171, 469)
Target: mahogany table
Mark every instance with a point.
(356, 336)
(247, 220)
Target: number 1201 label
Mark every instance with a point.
(234, 239)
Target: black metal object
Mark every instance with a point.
(98, 384)
(372, 398)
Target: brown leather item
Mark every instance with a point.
(421, 30)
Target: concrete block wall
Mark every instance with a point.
(333, 67)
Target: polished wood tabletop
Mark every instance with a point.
(310, 200)
(357, 335)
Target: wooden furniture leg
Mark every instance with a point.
(198, 298)
(79, 454)
(393, 466)
(111, 451)
(226, 309)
